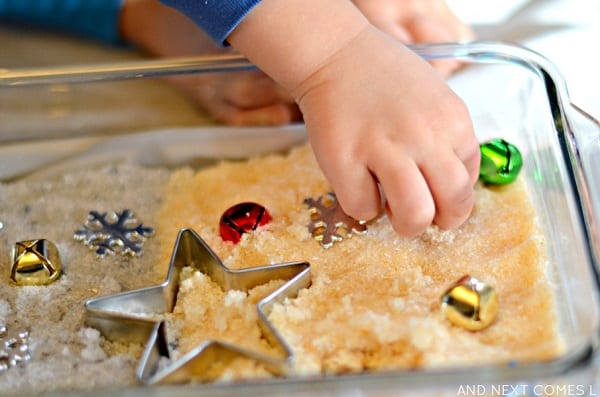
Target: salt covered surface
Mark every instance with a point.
(67, 355)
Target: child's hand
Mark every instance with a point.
(418, 21)
(247, 98)
(377, 113)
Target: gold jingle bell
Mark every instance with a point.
(35, 262)
(470, 303)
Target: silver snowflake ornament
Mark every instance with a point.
(14, 348)
(113, 233)
(329, 223)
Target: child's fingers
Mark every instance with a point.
(393, 28)
(240, 98)
(409, 205)
(470, 155)
(355, 187)
(253, 90)
(427, 30)
(277, 114)
(451, 187)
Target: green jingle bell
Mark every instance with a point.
(501, 162)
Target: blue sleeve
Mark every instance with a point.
(218, 18)
(96, 19)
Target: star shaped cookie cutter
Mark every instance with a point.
(136, 315)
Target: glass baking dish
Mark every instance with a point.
(518, 95)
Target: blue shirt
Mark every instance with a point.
(218, 18)
(97, 19)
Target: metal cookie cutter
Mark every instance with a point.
(135, 315)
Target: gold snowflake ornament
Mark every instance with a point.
(329, 223)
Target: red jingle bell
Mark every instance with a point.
(242, 218)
